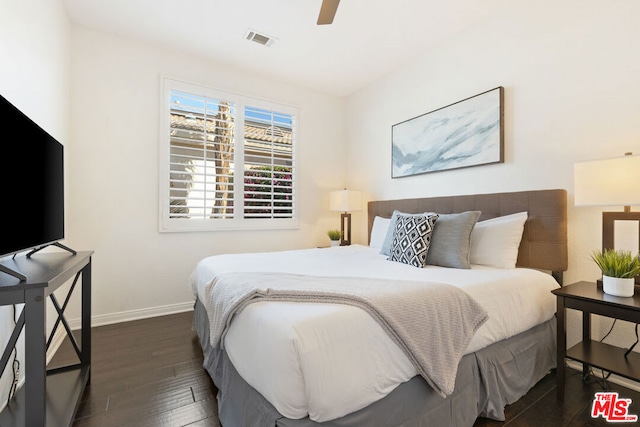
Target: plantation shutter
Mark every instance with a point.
(227, 161)
(269, 167)
(201, 149)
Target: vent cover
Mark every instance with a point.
(262, 39)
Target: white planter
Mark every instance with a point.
(335, 243)
(620, 287)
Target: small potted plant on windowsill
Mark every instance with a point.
(334, 236)
(619, 269)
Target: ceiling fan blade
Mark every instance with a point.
(328, 11)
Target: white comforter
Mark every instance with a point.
(308, 359)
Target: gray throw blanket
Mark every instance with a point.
(431, 322)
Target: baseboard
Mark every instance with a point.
(127, 316)
(624, 382)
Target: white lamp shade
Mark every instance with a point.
(608, 182)
(345, 200)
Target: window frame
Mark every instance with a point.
(238, 222)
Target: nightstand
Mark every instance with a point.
(586, 297)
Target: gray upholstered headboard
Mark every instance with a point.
(544, 241)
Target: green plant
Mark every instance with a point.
(334, 234)
(617, 263)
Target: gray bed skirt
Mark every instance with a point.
(486, 382)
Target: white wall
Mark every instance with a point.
(570, 72)
(113, 195)
(34, 76)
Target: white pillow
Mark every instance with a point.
(379, 231)
(495, 242)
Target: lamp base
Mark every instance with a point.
(608, 227)
(345, 228)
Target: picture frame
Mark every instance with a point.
(466, 133)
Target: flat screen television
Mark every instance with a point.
(31, 173)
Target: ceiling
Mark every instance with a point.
(367, 39)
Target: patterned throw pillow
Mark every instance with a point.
(411, 239)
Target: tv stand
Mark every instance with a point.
(57, 244)
(49, 396)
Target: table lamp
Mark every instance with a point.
(610, 182)
(345, 201)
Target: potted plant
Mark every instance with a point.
(334, 236)
(619, 269)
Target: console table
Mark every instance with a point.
(588, 298)
(49, 397)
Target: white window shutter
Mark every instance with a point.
(269, 169)
(227, 161)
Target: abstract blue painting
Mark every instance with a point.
(467, 133)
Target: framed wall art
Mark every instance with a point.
(464, 134)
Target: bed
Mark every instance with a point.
(290, 361)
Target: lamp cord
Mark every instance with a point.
(634, 344)
(610, 329)
(629, 350)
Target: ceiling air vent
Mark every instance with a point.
(262, 39)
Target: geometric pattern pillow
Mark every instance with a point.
(411, 239)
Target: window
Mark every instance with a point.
(228, 161)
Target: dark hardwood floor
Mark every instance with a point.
(540, 408)
(149, 373)
(145, 373)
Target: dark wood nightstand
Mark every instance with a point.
(586, 297)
